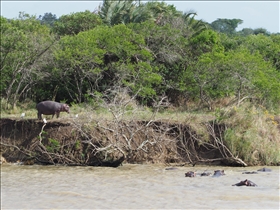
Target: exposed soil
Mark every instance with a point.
(70, 142)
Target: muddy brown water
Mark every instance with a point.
(135, 187)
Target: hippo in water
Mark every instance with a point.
(265, 170)
(246, 182)
(250, 172)
(51, 108)
(205, 174)
(190, 174)
(219, 173)
(171, 169)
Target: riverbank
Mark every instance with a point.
(106, 143)
(229, 139)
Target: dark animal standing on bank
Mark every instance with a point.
(246, 182)
(219, 173)
(190, 174)
(51, 108)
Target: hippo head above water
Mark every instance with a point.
(219, 173)
(246, 182)
(190, 174)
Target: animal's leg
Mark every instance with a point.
(39, 116)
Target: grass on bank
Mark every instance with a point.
(252, 134)
(85, 111)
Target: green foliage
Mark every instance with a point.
(48, 19)
(78, 145)
(131, 11)
(251, 76)
(42, 134)
(251, 136)
(150, 48)
(76, 22)
(261, 31)
(53, 146)
(206, 41)
(227, 26)
(231, 43)
(24, 46)
(267, 46)
(250, 31)
(238, 73)
(171, 52)
(208, 79)
(162, 8)
(116, 12)
(246, 31)
(104, 57)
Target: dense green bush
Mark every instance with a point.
(154, 55)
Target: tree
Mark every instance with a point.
(206, 42)
(206, 78)
(261, 31)
(162, 10)
(174, 47)
(24, 46)
(252, 77)
(76, 22)
(116, 12)
(98, 59)
(168, 47)
(227, 26)
(267, 46)
(131, 11)
(48, 19)
(246, 31)
(250, 31)
(239, 71)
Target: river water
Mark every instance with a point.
(135, 187)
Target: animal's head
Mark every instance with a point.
(219, 172)
(66, 108)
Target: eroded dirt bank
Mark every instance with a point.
(73, 142)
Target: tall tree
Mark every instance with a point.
(98, 59)
(48, 19)
(227, 26)
(24, 46)
(74, 23)
(252, 77)
(267, 46)
(261, 31)
(122, 11)
(131, 11)
(246, 32)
